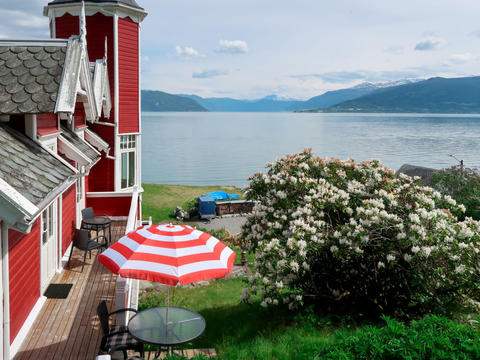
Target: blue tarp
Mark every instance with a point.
(221, 195)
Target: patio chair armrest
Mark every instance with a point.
(122, 310)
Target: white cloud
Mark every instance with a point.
(395, 49)
(24, 19)
(460, 58)
(208, 74)
(232, 47)
(430, 43)
(187, 52)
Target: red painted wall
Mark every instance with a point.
(68, 217)
(47, 123)
(113, 206)
(79, 116)
(99, 26)
(128, 75)
(24, 272)
(102, 176)
(66, 26)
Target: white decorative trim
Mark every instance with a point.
(64, 259)
(22, 334)
(96, 140)
(106, 8)
(47, 42)
(31, 126)
(59, 158)
(44, 138)
(132, 214)
(53, 35)
(112, 194)
(72, 152)
(17, 199)
(116, 95)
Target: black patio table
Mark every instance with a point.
(150, 326)
(99, 223)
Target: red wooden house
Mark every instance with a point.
(70, 138)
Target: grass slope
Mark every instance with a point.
(159, 201)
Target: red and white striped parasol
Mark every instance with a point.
(169, 254)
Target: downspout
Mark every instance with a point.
(6, 292)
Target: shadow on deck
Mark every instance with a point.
(69, 328)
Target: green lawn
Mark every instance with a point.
(241, 331)
(159, 201)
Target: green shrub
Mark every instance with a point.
(341, 233)
(462, 184)
(430, 338)
(191, 207)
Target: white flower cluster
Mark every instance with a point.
(309, 209)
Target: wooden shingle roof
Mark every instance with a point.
(27, 167)
(30, 76)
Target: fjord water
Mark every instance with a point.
(223, 148)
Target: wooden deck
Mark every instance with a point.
(69, 328)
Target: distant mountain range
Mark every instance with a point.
(435, 95)
(162, 101)
(269, 103)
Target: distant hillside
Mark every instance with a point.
(331, 98)
(267, 104)
(162, 101)
(435, 95)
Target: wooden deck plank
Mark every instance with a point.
(68, 328)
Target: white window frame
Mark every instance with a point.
(128, 144)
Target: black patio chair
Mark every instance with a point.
(87, 213)
(82, 241)
(116, 337)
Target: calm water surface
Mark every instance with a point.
(211, 148)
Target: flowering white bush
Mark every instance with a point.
(354, 233)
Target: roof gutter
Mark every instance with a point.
(26, 225)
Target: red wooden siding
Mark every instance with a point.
(128, 76)
(87, 187)
(113, 206)
(24, 272)
(68, 217)
(79, 116)
(66, 26)
(47, 123)
(101, 176)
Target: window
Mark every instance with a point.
(47, 224)
(128, 152)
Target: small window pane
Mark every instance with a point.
(131, 169)
(124, 177)
(50, 220)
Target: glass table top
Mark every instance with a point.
(151, 325)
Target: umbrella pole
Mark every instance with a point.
(166, 321)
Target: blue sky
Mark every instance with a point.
(295, 49)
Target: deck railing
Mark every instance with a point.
(126, 293)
